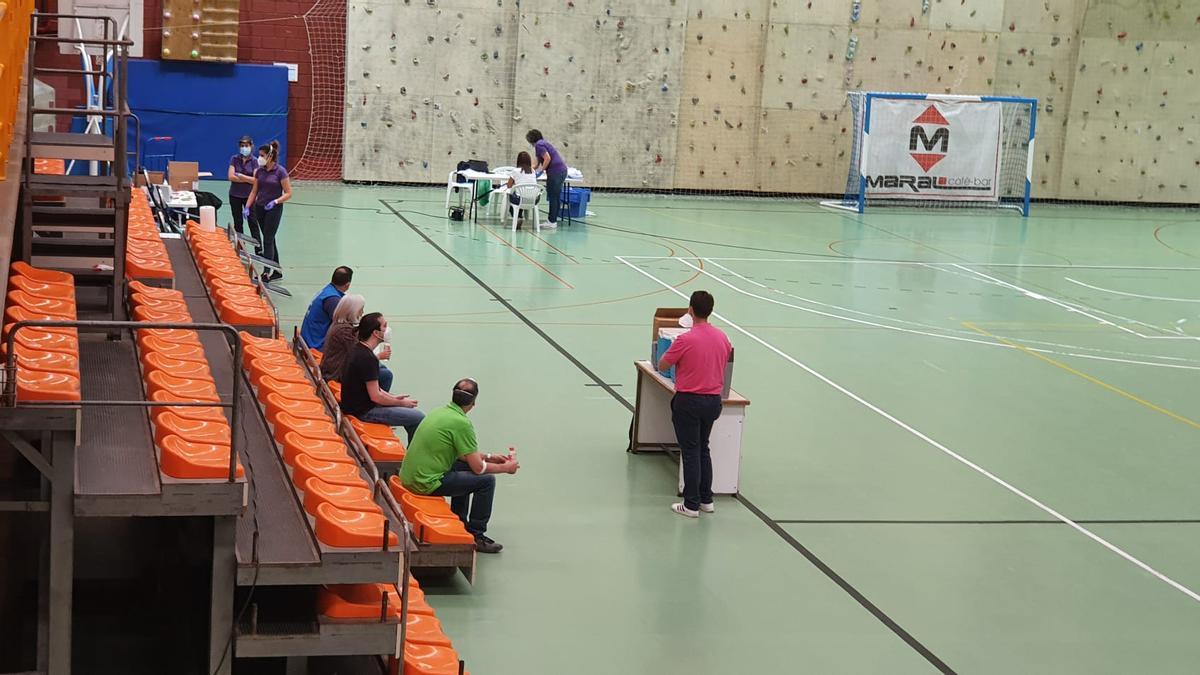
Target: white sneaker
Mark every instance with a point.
(549, 225)
(684, 511)
(708, 508)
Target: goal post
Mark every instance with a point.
(940, 151)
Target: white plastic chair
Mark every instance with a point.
(452, 184)
(531, 197)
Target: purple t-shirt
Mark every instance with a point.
(557, 163)
(245, 166)
(270, 184)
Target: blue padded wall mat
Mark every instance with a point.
(207, 107)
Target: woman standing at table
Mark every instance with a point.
(241, 179)
(272, 188)
(546, 158)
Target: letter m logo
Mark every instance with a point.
(928, 150)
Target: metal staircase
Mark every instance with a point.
(77, 223)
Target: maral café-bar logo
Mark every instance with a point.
(928, 144)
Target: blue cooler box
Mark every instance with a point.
(575, 202)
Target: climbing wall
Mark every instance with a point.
(750, 95)
(426, 84)
(1133, 130)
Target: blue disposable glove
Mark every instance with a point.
(245, 211)
(270, 205)
(539, 174)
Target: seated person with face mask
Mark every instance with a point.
(444, 460)
(362, 397)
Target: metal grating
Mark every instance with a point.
(116, 452)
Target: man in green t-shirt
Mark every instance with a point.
(444, 459)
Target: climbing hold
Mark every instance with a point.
(166, 33)
(366, 48)
(429, 39)
(1138, 46)
(166, 51)
(195, 53)
(547, 44)
(404, 91)
(1012, 26)
(496, 54)
(483, 56)
(1055, 40)
(546, 70)
(855, 11)
(621, 24)
(1122, 35)
(665, 88)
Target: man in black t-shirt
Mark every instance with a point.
(362, 396)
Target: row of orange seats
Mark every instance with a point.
(47, 358)
(145, 254)
(14, 45)
(193, 443)
(432, 520)
(380, 440)
(332, 489)
(236, 298)
(427, 650)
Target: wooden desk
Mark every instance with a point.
(652, 430)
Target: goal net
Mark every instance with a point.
(940, 151)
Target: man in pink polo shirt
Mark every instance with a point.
(699, 357)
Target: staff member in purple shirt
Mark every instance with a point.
(241, 179)
(272, 188)
(546, 158)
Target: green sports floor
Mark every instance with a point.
(972, 444)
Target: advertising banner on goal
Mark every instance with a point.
(931, 149)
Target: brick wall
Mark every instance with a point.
(273, 32)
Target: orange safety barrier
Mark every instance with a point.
(14, 45)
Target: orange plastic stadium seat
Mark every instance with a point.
(61, 309)
(176, 350)
(285, 388)
(246, 315)
(236, 293)
(155, 292)
(39, 339)
(195, 461)
(317, 492)
(195, 370)
(423, 659)
(305, 426)
(384, 449)
(325, 449)
(44, 359)
(44, 276)
(339, 473)
(137, 267)
(162, 304)
(237, 283)
(253, 356)
(177, 335)
(316, 354)
(335, 388)
(372, 429)
(273, 344)
(352, 529)
(332, 603)
(41, 289)
(192, 430)
(296, 378)
(202, 413)
(156, 316)
(311, 408)
(440, 529)
(425, 629)
(15, 313)
(412, 503)
(283, 369)
(43, 385)
(202, 390)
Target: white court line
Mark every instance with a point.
(908, 428)
(1077, 309)
(860, 261)
(1130, 295)
(973, 340)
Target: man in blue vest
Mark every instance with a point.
(320, 311)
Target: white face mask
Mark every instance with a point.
(387, 334)
(262, 161)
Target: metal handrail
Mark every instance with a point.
(10, 371)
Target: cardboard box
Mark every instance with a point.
(183, 176)
(665, 317)
(156, 177)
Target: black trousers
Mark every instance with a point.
(268, 222)
(235, 205)
(693, 416)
